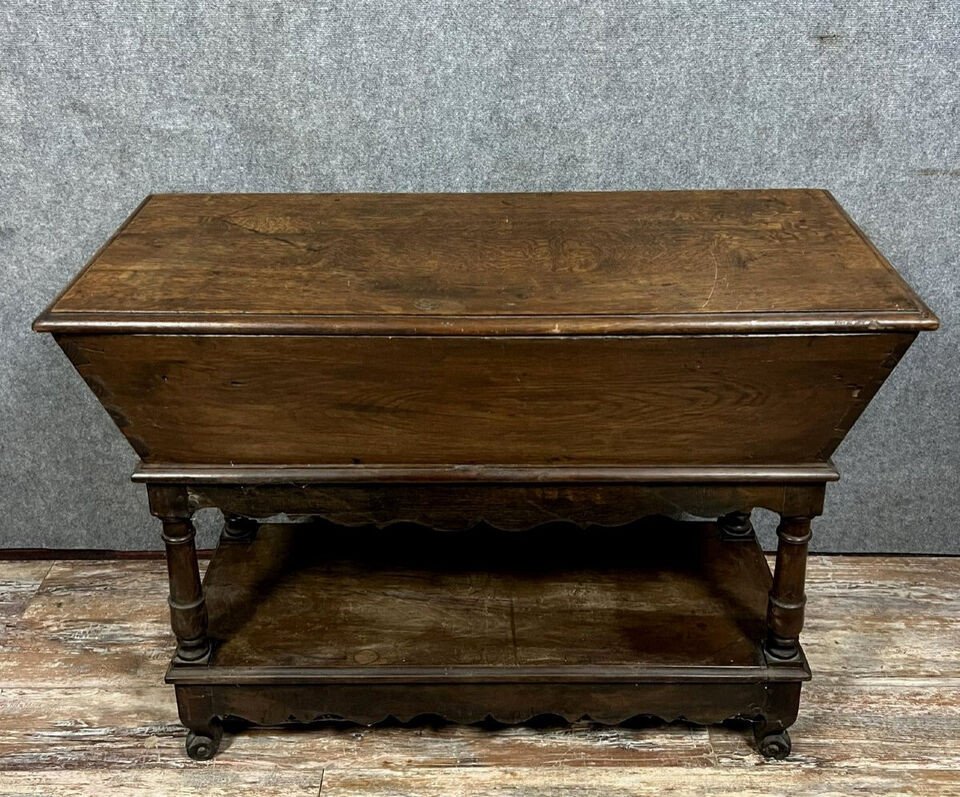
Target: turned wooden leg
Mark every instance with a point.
(735, 526)
(787, 599)
(237, 528)
(188, 612)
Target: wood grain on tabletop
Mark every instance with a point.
(490, 254)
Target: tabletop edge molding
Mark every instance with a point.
(320, 474)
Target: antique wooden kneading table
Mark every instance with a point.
(559, 366)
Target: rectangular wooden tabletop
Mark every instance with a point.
(594, 263)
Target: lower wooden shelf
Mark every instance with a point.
(315, 622)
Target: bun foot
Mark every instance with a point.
(203, 745)
(239, 528)
(772, 744)
(736, 526)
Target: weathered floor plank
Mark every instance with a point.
(19, 582)
(219, 781)
(83, 648)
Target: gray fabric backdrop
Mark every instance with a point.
(102, 103)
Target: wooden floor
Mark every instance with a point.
(83, 710)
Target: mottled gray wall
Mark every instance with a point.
(102, 103)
